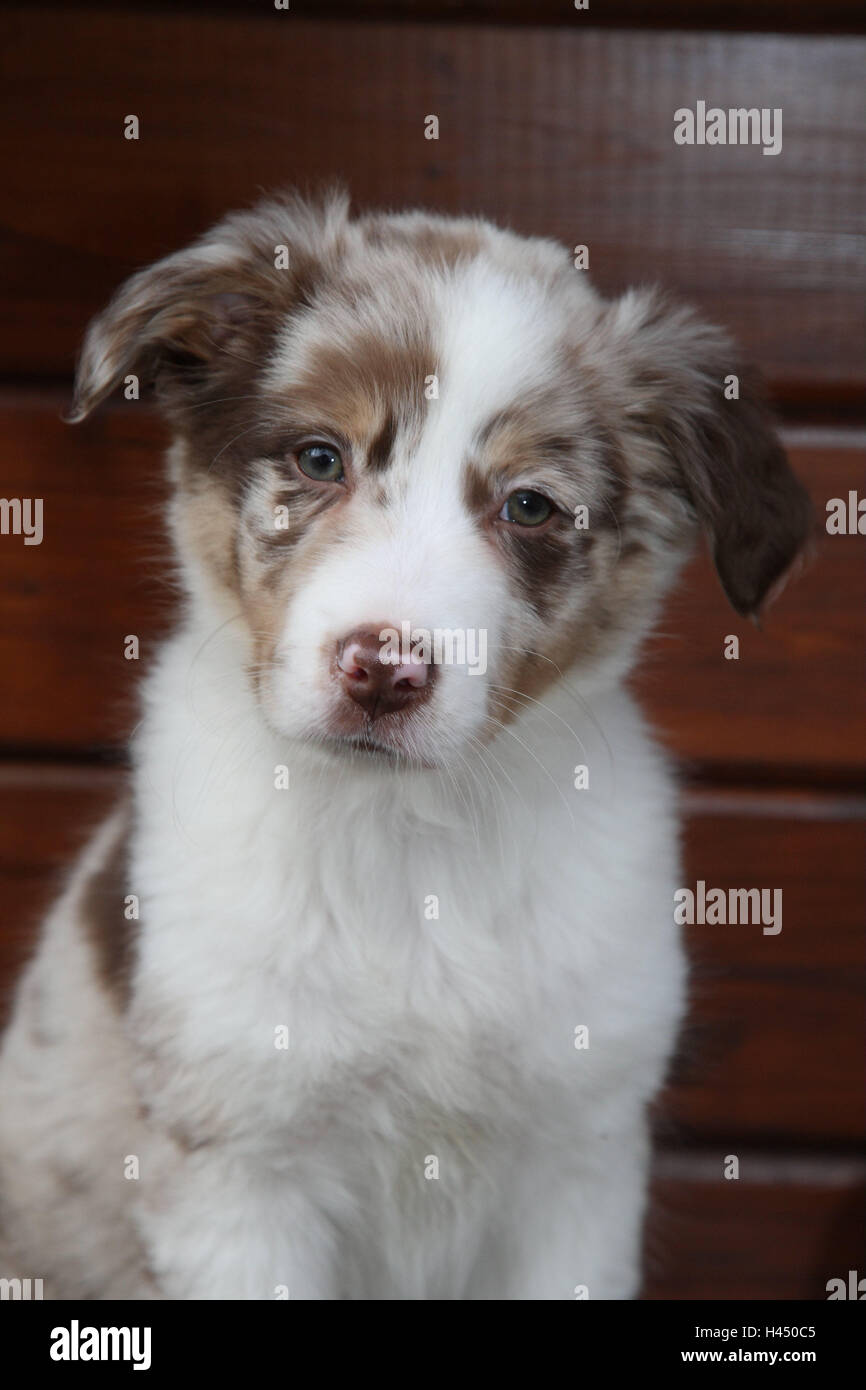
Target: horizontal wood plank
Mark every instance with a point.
(793, 698)
(782, 1236)
(772, 15)
(100, 574)
(565, 132)
(775, 1045)
(791, 701)
(774, 1048)
(798, 15)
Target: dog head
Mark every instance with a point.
(432, 469)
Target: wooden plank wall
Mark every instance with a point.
(558, 123)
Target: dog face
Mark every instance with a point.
(432, 469)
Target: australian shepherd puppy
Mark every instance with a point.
(365, 991)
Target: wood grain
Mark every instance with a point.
(792, 704)
(789, 704)
(99, 575)
(775, 15)
(774, 1049)
(560, 131)
(781, 1237)
(775, 1046)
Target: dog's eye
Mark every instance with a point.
(322, 462)
(526, 508)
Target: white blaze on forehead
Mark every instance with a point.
(422, 557)
(496, 341)
(498, 338)
(492, 334)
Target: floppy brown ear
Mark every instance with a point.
(191, 318)
(725, 455)
(174, 314)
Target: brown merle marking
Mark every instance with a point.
(545, 566)
(429, 242)
(580, 585)
(381, 448)
(111, 935)
(583, 466)
(304, 506)
(370, 388)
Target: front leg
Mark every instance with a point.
(218, 1226)
(573, 1223)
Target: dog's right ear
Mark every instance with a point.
(172, 316)
(186, 322)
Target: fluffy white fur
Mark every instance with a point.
(409, 1038)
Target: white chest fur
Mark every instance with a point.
(363, 939)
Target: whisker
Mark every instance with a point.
(571, 690)
(509, 690)
(505, 728)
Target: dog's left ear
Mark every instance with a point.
(687, 390)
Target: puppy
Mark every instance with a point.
(366, 990)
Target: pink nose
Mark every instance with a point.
(379, 687)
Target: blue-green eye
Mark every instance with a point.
(526, 508)
(322, 462)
